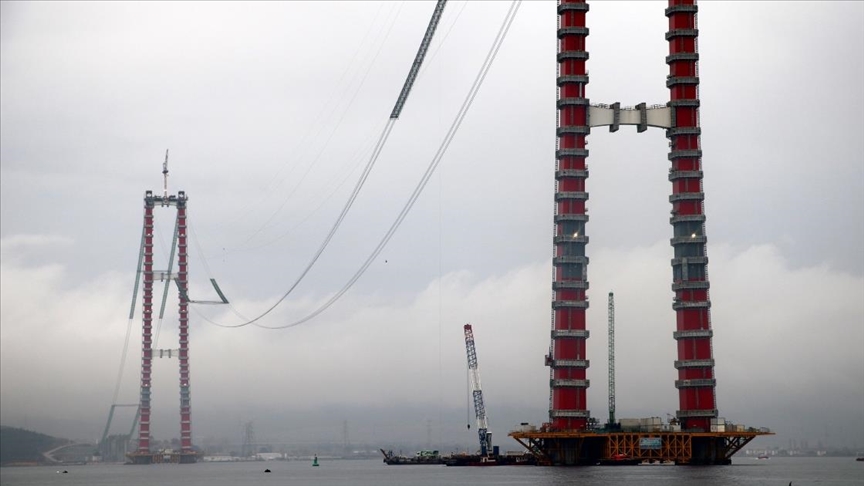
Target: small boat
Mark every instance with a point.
(763, 456)
(861, 459)
(646, 462)
(619, 460)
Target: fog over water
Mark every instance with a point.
(270, 110)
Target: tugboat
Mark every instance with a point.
(494, 459)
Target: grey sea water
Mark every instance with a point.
(824, 471)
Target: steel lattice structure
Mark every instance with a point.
(611, 334)
(477, 392)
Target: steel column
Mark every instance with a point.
(568, 408)
(695, 364)
(146, 331)
(183, 294)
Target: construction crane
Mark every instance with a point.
(611, 361)
(477, 392)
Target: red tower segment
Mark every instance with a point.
(695, 364)
(147, 331)
(183, 290)
(568, 407)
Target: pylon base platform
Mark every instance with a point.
(583, 448)
(162, 457)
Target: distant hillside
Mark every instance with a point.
(19, 445)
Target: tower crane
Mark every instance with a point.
(611, 361)
(477, 392)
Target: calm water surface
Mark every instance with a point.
(825, 471)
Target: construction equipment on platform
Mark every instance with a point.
(477, 392)
(611, 424)
(489, 455)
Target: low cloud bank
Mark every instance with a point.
(787, 343)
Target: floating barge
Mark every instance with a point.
(420, 458)
(508, 459)
(582, 448)
(163, 457)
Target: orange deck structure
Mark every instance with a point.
(575, 448)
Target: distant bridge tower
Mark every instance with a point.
(143, 454)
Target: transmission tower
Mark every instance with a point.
(248, 440)
(346, 444)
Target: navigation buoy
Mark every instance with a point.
(315, 461)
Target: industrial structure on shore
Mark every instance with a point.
(567, 439)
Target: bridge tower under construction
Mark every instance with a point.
(680, 118)
(144, 454)
(568, 438)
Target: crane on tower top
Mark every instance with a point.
(165, 176)
(477, 392)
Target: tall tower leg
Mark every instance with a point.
(568, 385)
(147, 331)
(183, 290)
(695, 364)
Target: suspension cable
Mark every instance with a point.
(376, 152)
(442, 149)
(131, 317)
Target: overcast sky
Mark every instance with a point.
(271, 109)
